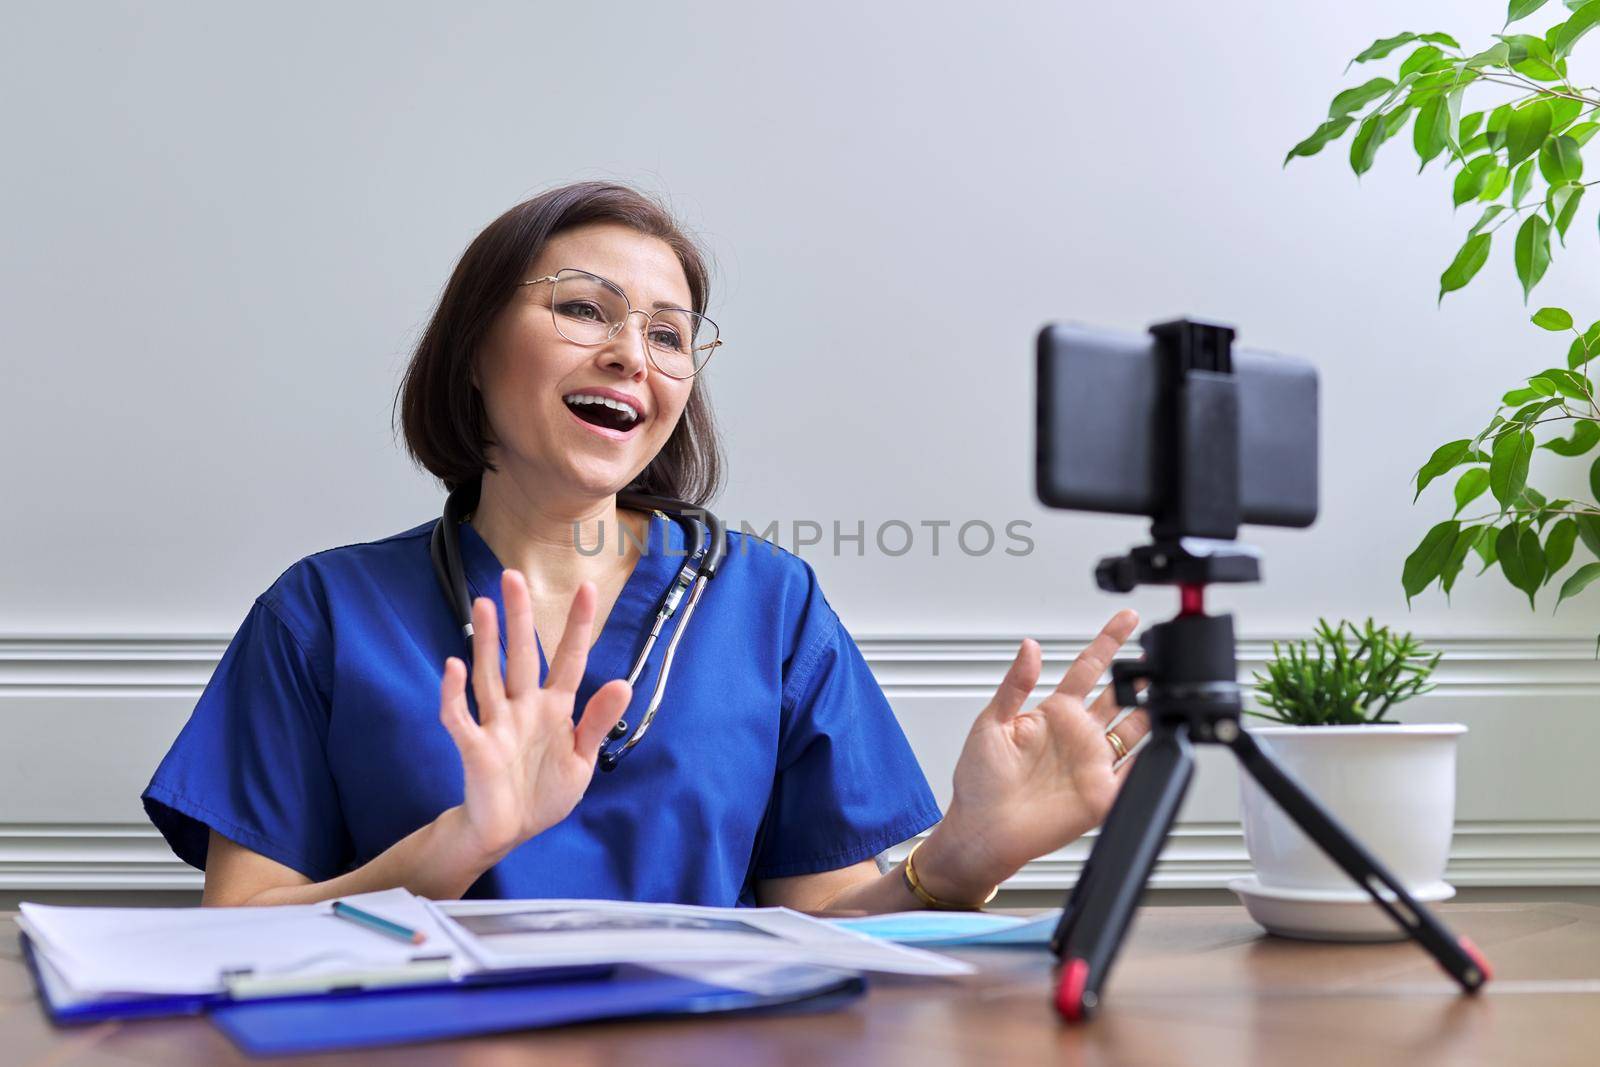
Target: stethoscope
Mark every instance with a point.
(698, 569)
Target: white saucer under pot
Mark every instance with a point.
(1316, 916)
(1393, 786)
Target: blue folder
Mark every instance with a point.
(280, 1027)
(480, 1004)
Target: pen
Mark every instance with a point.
(373, 922)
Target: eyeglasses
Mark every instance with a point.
(589, 310)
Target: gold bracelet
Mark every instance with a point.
(914, 884)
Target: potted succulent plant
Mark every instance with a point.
(1391, 784)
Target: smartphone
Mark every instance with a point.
(1099, 438)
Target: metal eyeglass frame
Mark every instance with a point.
(615, 328)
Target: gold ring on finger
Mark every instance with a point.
(1117, 745)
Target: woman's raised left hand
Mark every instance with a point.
(1030, 781)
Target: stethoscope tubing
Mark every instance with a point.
(690, 581)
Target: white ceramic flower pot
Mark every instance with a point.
(1393, 786)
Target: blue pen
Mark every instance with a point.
(374, 922)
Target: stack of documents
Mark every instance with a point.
(267, 972)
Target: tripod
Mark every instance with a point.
(1193, 696)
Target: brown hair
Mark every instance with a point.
(441, 411)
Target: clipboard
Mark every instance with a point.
(389, 1012)
(241, 987)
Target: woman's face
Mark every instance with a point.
(528, 373)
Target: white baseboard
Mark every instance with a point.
(86, 717)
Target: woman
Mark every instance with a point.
(318, 763)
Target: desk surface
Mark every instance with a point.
(1193, 985)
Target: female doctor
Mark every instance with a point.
(319, 763)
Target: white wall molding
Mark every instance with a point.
(87, 717)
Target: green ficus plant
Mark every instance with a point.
(1343, 676)
(1517, 154)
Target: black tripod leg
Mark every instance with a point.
(1075, 899)
(1457, 955)
(1122, 859)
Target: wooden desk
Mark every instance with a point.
(1194, 985)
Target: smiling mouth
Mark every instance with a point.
(602, 415)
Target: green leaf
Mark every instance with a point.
(1364, 146)
(1469, 260)
(1469, 181)
(1582, 21)
(1526, 130)
(1490, 213)
(1563, 112)
(1594, 479)
(1494, 183)
(1495, 128)
(1521, 9)
(1560, 160)
(1521, 181)
(1568, 383)
(1485, 547)
(1562, 203)
(1532, 251)
(1589, 531)
(1429, 133)
(1495, 56)
(1328, 131)
(1553, 319)
(1427, 562)
(1382, 47)
(1521, 557)
(1583, 131)
(1508, 466)
(1458, 555)
(1439, 39)
(1580, 580)
(1558, 547)
(1358, 97)
(1421, 60)
(1532, 411)
(1585, 435)
(1473, 483)
(1469, 125)
(1519, 396)
(1446, 456)
(1579, 352)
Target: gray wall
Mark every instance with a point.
(225, 227)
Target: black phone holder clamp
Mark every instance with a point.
(1191, 670)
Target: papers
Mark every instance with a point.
(100, 951)
(946, 928)
(89, 956)
(544, 933)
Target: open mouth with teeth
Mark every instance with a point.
(602, 411)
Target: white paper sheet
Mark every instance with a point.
(547, 933)
(188, 950)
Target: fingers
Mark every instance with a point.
(1093, 661)
(600, 715)
(1130, 732)
(1017, 685)
(522, 661)
(566, 668)
(486, 680)
(453, 710)
(1106, 707)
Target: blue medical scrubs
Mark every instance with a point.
(317, 742)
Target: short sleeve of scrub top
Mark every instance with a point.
(317, 742)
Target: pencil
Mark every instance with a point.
(372, 922)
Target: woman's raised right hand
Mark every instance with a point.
(526, 763)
